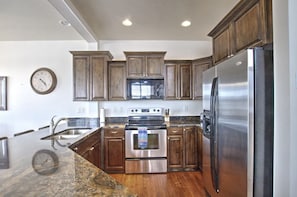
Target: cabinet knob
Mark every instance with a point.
(92, 148)
(75, 148)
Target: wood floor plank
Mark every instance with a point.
(173, 184)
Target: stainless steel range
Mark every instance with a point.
(146, 141)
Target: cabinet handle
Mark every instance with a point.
(92, 148)
(114, 132)
(174, 131)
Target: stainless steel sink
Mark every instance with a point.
(75, 131)
(67, 134)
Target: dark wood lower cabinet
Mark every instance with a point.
(200, 146)
(175, 149)
(89, 148)
(182, 148)
(114, 150)
(191, 151)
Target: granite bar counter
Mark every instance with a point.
(69, 174)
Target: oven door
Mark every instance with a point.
(151, 144)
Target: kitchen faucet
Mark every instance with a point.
(54, 125)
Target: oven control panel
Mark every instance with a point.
(145, 111)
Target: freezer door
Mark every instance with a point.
(207, 78)
(210, 151)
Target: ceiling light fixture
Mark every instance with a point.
(186, 23)
(65, 23)
(127, 22)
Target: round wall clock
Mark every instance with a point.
(45, 162)
(43, 81)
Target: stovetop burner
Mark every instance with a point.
(149, 127)
(151, 118)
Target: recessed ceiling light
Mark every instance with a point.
(127, 22)
(186, 23)
(65, 23)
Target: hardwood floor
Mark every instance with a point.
(173, 184)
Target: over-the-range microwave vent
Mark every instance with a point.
(141, 89)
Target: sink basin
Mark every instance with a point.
(74, 131)
(67, 134)
(60, 137)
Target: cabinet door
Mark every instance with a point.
(98, 79)
(154, 66)
(191, 148)
(117, 81)
(135, 66)
(89, 148)
(175, 152)
(198, 66)
(114, 158)
(93, 154)
(248, 28)
(171, 80)
(222, 45)
(185, 91)
(81, 78)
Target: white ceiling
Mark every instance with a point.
(152, 19)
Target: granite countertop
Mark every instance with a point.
(74, 176)
(182, 123)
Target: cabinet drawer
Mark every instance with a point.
(175, 130)
(114, 132)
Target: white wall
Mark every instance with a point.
(293, 94)
(285, 50)
(175, 49)
(26, 109)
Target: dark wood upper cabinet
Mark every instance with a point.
(117, 80)
(145, 64)
(178, 75)
(248, 24)
(90, 75)
(198, 66)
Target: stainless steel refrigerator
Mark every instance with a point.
(238, 125)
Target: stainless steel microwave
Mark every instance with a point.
(138, 89)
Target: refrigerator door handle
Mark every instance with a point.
(213, 135)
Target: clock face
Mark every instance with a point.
(43, 81)
(45, 162)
